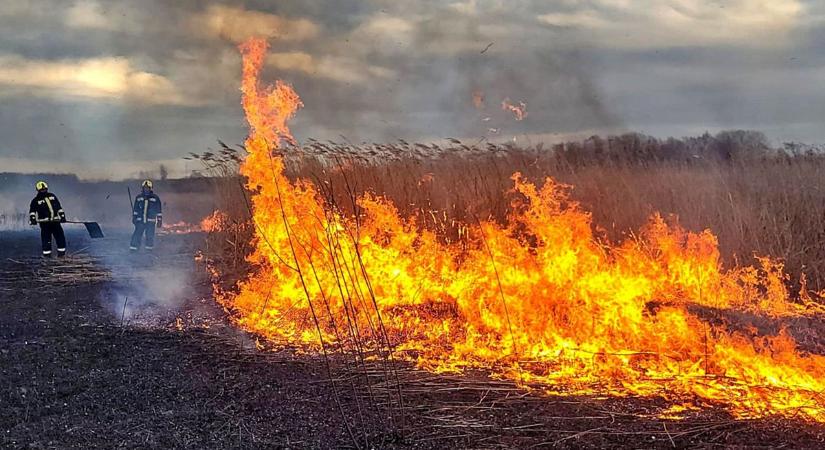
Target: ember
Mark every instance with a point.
(540, 301)
(519, 110)
(478, 99)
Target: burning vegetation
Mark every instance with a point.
(540, 300)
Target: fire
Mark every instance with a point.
(214, 222)
(541, 300)
(478, 99)
(179, 228)
(519, 110)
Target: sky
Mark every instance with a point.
(106, 88)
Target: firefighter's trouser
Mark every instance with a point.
(49, 229)
(141, 229)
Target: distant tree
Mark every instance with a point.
(163, 172)
(802, 149)
(742, 144)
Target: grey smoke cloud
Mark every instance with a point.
(95, 82)
(149, 290)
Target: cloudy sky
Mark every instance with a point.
(107, 86)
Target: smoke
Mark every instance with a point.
(106, 202)
(432, 58)
(147, 289)
(158, 80)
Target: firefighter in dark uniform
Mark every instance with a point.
(45, 210)
(146, 215)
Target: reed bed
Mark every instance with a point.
(771, 205)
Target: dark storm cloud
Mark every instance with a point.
(90, 80)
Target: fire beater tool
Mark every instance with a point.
(92, 227)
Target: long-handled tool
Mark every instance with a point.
(92, 227)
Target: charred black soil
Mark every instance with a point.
(77, 370)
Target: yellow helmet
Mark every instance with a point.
(40, 185)
(147, 184)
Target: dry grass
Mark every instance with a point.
(760, 206)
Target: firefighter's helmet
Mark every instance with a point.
(147, 184)
(41, 185)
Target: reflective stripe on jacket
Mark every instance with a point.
(147, 208)
(45, 207)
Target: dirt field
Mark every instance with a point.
(110, 350)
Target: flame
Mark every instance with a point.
(179, 228)
(214, 222)
(541, 300)
(519, 110)
(478, 99)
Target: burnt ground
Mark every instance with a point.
(164, 369)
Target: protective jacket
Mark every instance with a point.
(45, 207)
(147, 208)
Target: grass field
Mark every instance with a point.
(209, 375)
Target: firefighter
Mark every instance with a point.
(146, 215)
(45, 210)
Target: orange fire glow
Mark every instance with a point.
(214, 222)
(519, 110)
(540, 301)
(179, 228)
(478, 99)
